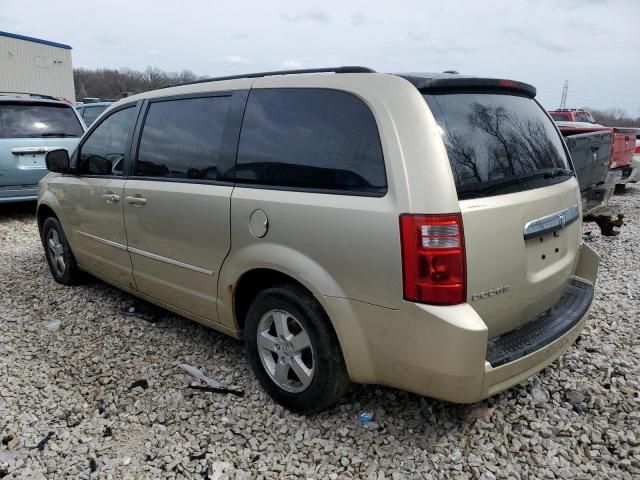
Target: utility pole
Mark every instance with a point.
(565, 89)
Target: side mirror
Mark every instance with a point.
(57, 160)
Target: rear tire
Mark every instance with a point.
(620, 188)
(294, 351)
(62, 263)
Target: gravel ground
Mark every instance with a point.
(578, 419)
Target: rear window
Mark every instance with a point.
(560, 117)
(498, 143)
(584, 117)
(91, 113)
(310, 139)
(22, 120)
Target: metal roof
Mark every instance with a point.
(34, 40)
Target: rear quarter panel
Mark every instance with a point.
(341, 245)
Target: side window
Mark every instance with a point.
(310, 139)
(103, 152)
(181, 138)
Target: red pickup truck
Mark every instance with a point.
(571, 115)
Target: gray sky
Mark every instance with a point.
(595, 44)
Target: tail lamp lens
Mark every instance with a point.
(433, 259)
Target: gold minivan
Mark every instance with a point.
(421, 231)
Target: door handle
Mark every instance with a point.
(136, 201)
(111, 197)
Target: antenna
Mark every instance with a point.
(565, 89)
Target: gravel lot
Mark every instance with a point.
(579, 418)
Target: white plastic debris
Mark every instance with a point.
(540, 395)
(199, 376)
(54, 325)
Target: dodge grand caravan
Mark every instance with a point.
(418, 231)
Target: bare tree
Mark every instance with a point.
(614, 117)
(116, 83)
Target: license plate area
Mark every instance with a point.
(31, 161)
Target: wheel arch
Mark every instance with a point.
(43, 212)
(252, 282)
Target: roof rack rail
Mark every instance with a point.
(35, 95)
(344, 69)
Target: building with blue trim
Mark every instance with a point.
(34, 65)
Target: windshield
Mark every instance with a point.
(497, 141)
(32, 120)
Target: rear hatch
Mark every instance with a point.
(518, 197)
(28, 129)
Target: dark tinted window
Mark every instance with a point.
(310, 138)
(181, 138)
(91, 113)
(20, 120)
(498, 143)
(103, 152)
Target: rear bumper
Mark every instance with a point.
(596, 197)
(445, 353)
(18, 193)
(627, 174)
(635, 166)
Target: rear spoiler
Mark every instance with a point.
(435, 85)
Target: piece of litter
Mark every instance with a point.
(540, 395)
(43, 442)
(365, 417)
(139, 383)
(200, 376)
(54, 325)
(205, 388)
(479, 413)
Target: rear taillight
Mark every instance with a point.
(433, 260)
(637, 150)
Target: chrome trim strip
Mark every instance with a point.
(143, 253)
(552, 222)
(117, 245)
(27, 150)
(170, 261)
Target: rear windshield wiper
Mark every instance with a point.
(57, 134)
(547, 173)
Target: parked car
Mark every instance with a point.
(571, 115)
(624, 144)
(90, 111)
(31, 125)
(590, 148)
(416, 231)
(635, 162)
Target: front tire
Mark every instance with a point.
(294, 351)
(59, 256)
